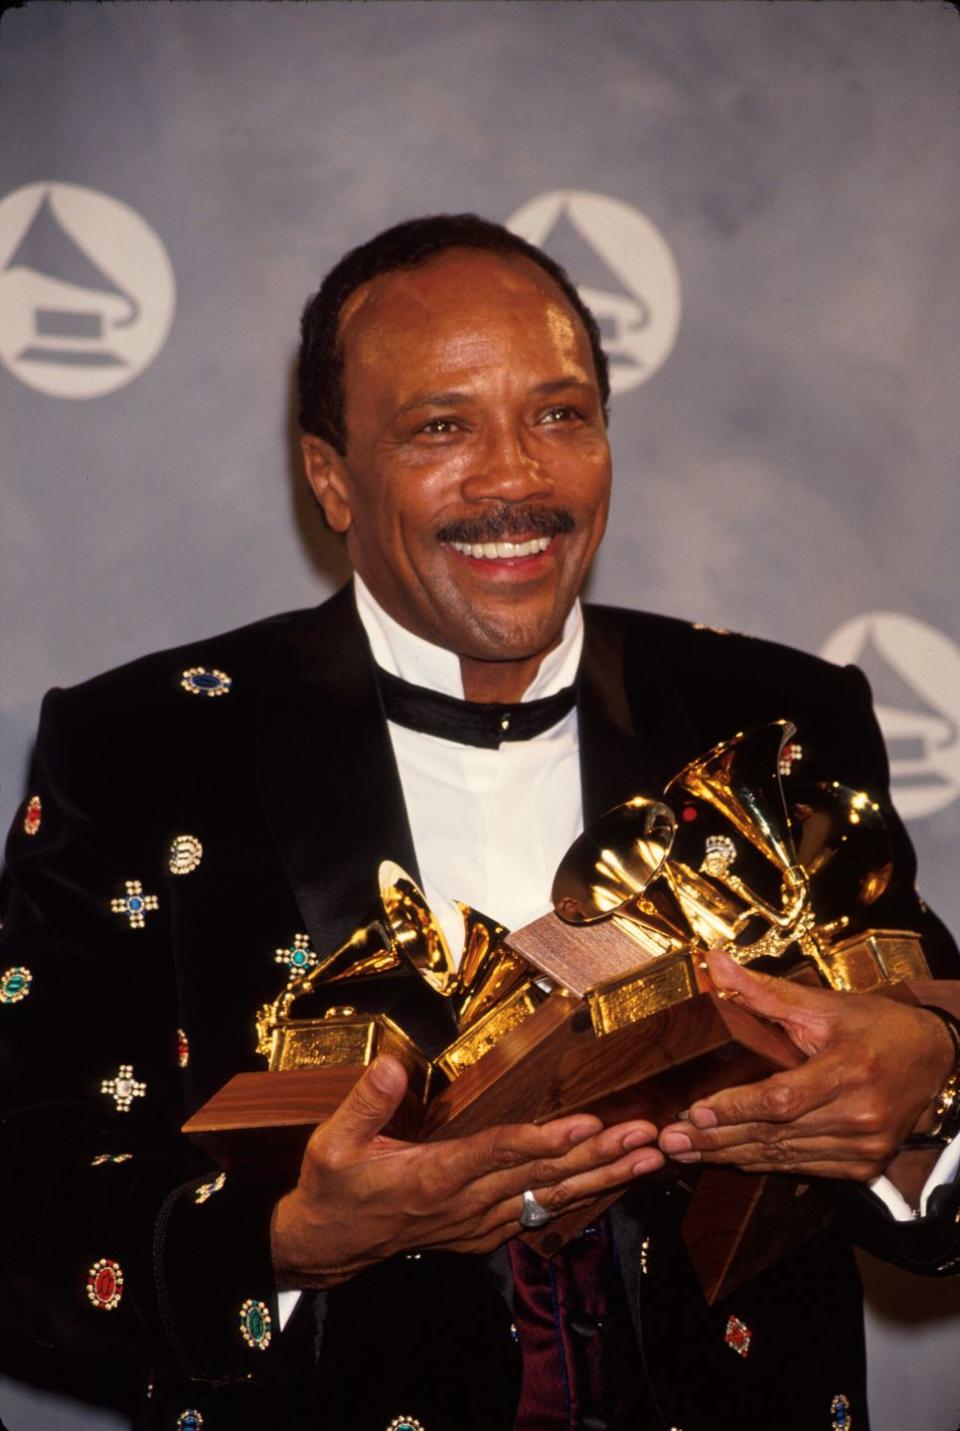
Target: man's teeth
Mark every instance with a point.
(491, 551)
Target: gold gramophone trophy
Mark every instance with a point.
(725, 861)
(260, 1123)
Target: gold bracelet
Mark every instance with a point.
(946, 1109)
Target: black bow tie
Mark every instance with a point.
(470, 722)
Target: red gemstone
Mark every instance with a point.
(105, 1285)
(31, 823)
(689, 814)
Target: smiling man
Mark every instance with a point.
(456, 710)
(474, 483)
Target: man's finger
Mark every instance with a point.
(512, 1145)
(550, 1167)
(781, 1098)
(809, 1157)
(577, 1188)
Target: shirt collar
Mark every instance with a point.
(413, 659)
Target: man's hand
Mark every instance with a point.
(873, 1069)
(361, 1196)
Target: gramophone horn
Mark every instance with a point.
(741, 779)
(613, 861)
(415, 933)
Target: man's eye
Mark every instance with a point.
(440, 427)
(565, 413)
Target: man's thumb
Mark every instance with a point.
(779, 1000)
(369, 1105)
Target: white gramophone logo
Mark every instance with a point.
(918, 711)
(86, 290)
(623, 269)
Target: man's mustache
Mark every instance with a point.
(509, 521)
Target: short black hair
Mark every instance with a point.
(405, 245)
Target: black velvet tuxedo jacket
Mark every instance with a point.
(288, 783)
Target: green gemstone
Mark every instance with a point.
(14, 985)
(255, 1324)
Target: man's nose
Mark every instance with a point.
(504, 469)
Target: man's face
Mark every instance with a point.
(475, 485)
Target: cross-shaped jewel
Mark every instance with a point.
(135, 904)
(124, 1088)
(298, 957)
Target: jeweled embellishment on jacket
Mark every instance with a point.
(135, 904)
(738, 1336)
(198, 681)
(206, 1190)
(840, 1411)
(189, 1421)
(15, 984)
(186, 852)
(103, 1158)
(405, 1423)
(183, 1049)
(124, 1088)
(105, 1284)
(789, 756)
(298, 957)
(32, 815)
(255, 1324)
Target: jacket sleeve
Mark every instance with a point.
(901, 906)
(122, 1240)
(929, 1245)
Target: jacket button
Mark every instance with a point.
(585, 1327)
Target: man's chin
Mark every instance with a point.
(496, 634)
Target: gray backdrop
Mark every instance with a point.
(761, 201)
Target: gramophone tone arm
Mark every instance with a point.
(794, 899)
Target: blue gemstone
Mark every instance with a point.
(206, 682)
(134, 904)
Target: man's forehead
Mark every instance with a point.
(457, 311)
(487, 283)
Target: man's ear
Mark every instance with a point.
(326, 473)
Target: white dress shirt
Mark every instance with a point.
(489, 827)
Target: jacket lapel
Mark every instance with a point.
(331, 791)
(326, 772)
(635, 732)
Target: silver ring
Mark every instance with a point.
(534, 1214)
